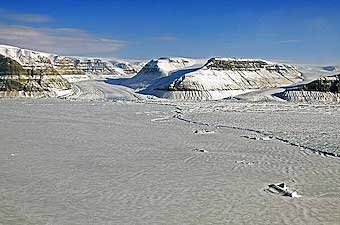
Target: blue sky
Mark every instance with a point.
(298, 31)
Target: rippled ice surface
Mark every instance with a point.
(313, 126)
(94, 162)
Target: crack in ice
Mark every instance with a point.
(264, 133)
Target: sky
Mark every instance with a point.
(291, 31)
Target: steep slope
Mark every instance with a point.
(322, 90)
(129, 68)
(223, 77)
(67, 66)
(27, 57)
(64, 65)
(16, 81)
(158, 68)
(97, 66)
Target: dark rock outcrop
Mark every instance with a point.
(15, 80)
(322, 90)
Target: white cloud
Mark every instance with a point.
(291, 41)
(24, 17)
(165, 38)
(65, 41)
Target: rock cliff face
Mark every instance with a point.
(324, 84)
(322, 90)
(221, 78)
(226, 74)
(18, 81)
(96, 66)
(26, 72)
(67, 66)
(64, 65)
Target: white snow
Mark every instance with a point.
(183, 78)
(36, 59)
(27, 57)
(159, 68)
(105, 162)
(312, 72)
(104, 154)
(209, 82)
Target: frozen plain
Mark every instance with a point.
(109, 156)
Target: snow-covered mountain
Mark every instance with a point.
(64, 65)
(25, 72)
(16, 81)
(219, 78)
(129, 68)
(158, 68)
(172, 78)
(322, 90)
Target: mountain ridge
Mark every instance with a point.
(222, 78)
